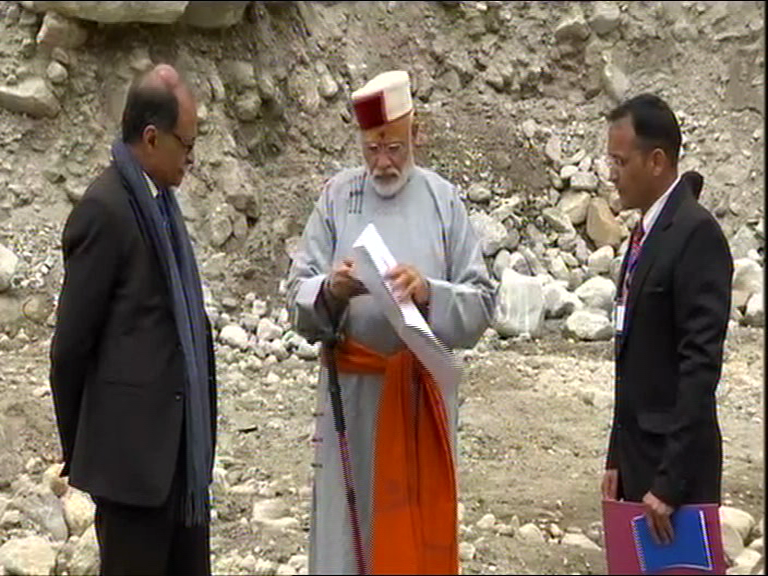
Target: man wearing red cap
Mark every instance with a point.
(402, 443)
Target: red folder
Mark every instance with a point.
(620, 549)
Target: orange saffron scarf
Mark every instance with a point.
(414, 526)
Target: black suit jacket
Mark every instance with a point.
(117, 368)
(665, 436)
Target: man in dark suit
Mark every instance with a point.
(132, 364)
(672, 312)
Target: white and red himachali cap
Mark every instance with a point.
(384, 99)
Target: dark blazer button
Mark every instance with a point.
(179, 395)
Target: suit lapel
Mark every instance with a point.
(652, 247)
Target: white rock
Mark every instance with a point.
(590, 326)
(85, 559)
(599, 262)
(492, 234)
(748, 559)
(487, 522)
(559, 302)
(214, 14)
(467, 551)
(234, 336)
(555, 531)
(479, 193)
(60, 31)
(520, 307)
(56, 73)
(248, 106)
(8, 264)
(585, 181)
(559, 268)
(79, 511)
(558, 220)
(278, 349)
(115, 12)
(742, 242)
(747, 277)
(53, 480)
(29, 556)
(567, 171)
(606, 16)
(307, 351)
(580, 541)
(554, 151)
(572, 28)
(531, 533)
(575, 205)
(268, 330)
(757, 545)
(615, 82)
(598, 293)
(743, 522)
(755, 314)
(602, 226)
(31, 96)
(300, 563)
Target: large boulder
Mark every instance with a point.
(85, 559)
(755, 313)
(8, 264)
(58, 30)
(559, 302)
(575, 205)
(79, 511)
(599, 262)
(115, 12)
(597, 293)
(602, 226)
(31, 556)
(493, 235)
(520, 307)
(31, 96)
(747, 280)
(214, 14)
(589, 325)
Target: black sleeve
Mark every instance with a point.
(91, 262)
(702, 300)
(212, 381)
(612, 461)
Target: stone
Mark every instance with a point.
(31, 96)
(575, 205)
(268, 330)
(85, 559)
(580, 541)
(530, 266)
(492, 234)
(31, 556)
(757, 545)
(487, 522)
(259, 308)
(597, 293)
(747, 280)
(278, 349)
(239, 74)
(599, 262)
(234, 336)
(748, 559)
(327, 85)
(584, 181)
(53, 480)
(299, 562)
(558, 268)
(520, 306)
(214, 14)
(742, 242)
(558, 220)
(501, 262)
(248, 106)
(61, 56)
(554, 151)
(589, 326)
(115, 12)
(531, 533)
(742, 522)
(60, 31)
(8, 265)
(79, 511)
(602, 226)
(605, 17)
(479, 193)
(559, 302)
(41, 507)
(307, 351)
(567, 172)
(615, 82)
(755, 314)
(467, 551)
(220, 227)
(572, 28)
(56, 73)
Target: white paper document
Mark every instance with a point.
(373, 262)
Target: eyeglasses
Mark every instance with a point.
(188, 146)
(391, 149)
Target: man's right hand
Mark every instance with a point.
(610, 485)
(342, 285)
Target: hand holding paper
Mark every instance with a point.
(407, 283)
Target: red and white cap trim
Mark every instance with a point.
(384, 99)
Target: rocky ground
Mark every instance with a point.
(512, 98)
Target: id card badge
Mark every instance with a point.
(618, 317)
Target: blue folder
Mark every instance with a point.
(689, 548)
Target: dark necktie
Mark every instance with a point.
(634, 254)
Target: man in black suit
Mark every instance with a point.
(671, 317)
(132, 364)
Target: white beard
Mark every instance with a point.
(391, 189)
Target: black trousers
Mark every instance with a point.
(139, 541)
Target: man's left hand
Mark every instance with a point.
(407, 282)
(658, 515)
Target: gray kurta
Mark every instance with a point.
(425, 225)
